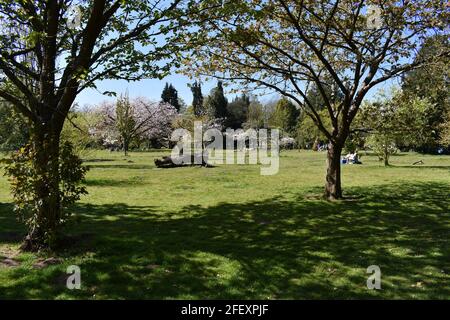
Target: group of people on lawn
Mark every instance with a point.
(351, 158)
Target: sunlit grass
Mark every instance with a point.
(228, 232)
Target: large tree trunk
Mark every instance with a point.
(46, 163)
(333, 189)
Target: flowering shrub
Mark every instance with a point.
(135, 120)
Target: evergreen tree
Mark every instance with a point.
(170, 96)
(216, 103)
(237, 111)
(197, 102)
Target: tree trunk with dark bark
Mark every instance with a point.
(333, 188)
(126, 146)
(45, 142)
(386, 155)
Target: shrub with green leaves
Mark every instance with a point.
(13, 128)
(24, 178)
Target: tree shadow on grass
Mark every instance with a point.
(95, 160)
(273, 248)
(121, 166)
(422, 167)
(108, 183)
(10, 229)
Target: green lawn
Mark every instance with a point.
(227, 232)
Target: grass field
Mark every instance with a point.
(227, 232)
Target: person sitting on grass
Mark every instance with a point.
(354, 158)
(351, 158)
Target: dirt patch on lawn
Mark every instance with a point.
(8, 257)
(8, 262)
(43, 263)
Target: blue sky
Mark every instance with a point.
(152, 88)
